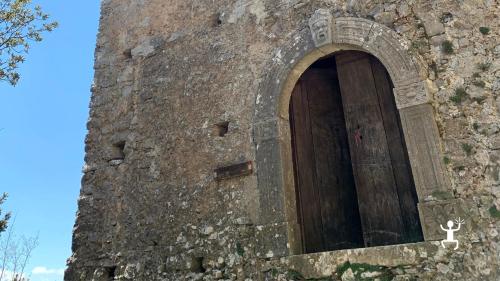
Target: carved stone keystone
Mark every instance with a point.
(320, 25)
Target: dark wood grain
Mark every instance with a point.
(399, 156)
(353, 180)
(330, 217)
(371, 161)
(232, 171)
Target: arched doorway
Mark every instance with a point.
(353, 179)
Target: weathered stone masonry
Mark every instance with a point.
(185, 87)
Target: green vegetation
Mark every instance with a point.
(274, 272)
(21, 24)
(6, 217)
(484, 30)
(484, 66)
(447, 47)
(419, 46)
(494, 212)
(294, 275)
(446, 160)
(359, 268)
(460, 96)
(475, 126)
(239, 249)
(467, 148)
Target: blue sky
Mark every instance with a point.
(42, 122)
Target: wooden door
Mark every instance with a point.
(327, 202)
(385, 189)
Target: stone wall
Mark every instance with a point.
(172, 76)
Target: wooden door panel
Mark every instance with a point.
(335, 182)
(328, 197)
(352, 175)
(399, 157)
(373, 172)
(311, 224)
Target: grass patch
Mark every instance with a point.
(484, 30)
(475, 126)
(447, 47)
(274, 272)
(419, 46)
(467, 148)
(459, 96)
(359, 268)
(484, 66)
(494, 212)
(476, 75)
(294, 275)
(446, 160)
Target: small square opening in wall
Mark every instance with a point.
(118, 151)
(221, 129)
(127, 53)
(217, 19)
(110, 272)
(197, 265)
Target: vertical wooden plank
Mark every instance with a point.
(312, 228)
(373, 173)
(399, 157)
(334, 178)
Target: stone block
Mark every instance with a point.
(272, 240)
(432, 25)
(270, 182)
(437, 213)
(423, 143)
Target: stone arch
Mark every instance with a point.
(271, 131)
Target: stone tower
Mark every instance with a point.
(197, 164)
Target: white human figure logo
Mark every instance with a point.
(450, 232)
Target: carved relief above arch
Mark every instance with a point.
(271, 130)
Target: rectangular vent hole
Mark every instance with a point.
(118, 151)
(197, 265)
(221, 129)
(110, 272)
